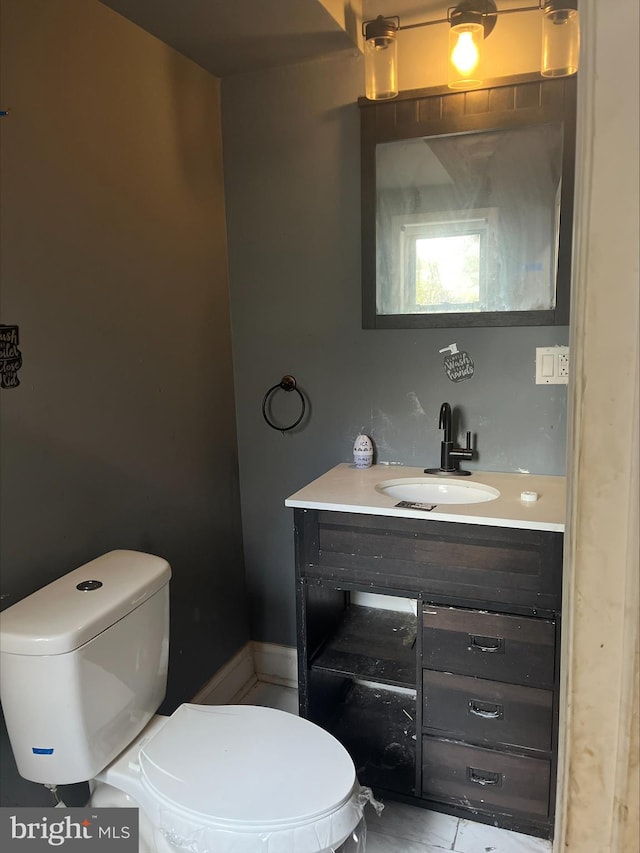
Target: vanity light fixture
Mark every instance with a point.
(470, 23)
(381, 58)
(560, 38)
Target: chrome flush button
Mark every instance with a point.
(86, 586)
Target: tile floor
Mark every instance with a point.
(407, 829)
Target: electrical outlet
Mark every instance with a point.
(563, 363)
(552, 365)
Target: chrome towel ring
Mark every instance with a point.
(287, 383)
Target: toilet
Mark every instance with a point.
(83, 670)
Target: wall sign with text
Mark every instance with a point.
(10, 356)
(457, 365)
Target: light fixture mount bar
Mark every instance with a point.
(452, 9)
(423, 24)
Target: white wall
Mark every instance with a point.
(600, 715)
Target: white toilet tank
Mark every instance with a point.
(83, 665)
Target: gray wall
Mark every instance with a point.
(291, 154)
(122, 431)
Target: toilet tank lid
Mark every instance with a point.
(75, 608)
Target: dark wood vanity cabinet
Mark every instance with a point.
(448, 698)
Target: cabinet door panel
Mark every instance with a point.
(469, 562)
(477, 710)
(488, 779)
(517, 649)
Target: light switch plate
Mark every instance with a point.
(552, 365)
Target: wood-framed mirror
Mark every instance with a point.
(467, 205)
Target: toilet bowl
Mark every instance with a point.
(83, 665)
(236, 778)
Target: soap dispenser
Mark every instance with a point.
(363, 452)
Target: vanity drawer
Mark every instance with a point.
(516, 649)
(471, 563)
(472, 776)
(474, 709)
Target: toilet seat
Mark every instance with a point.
(248, 777)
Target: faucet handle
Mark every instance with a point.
(468, 447)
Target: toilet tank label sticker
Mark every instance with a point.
(108, 830)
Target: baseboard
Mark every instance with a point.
(231, 682)
(254, 662)
(276, 664)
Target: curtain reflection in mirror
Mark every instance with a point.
(469, 222)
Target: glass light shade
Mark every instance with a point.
(381, 67)
(466, 46)
(560, 40)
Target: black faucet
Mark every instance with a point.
(449, 455)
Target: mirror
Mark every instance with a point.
(467, 201)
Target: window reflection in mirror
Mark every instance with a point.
(469, 222)
(467, 205)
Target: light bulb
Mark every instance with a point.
(465, 55)
(466, 43)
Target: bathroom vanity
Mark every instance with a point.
(428, 637)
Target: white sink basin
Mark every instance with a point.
(433, 490)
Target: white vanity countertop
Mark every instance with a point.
(346, 488)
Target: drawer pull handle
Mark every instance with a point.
(486, 710)
(483, 777)
(493, 645)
